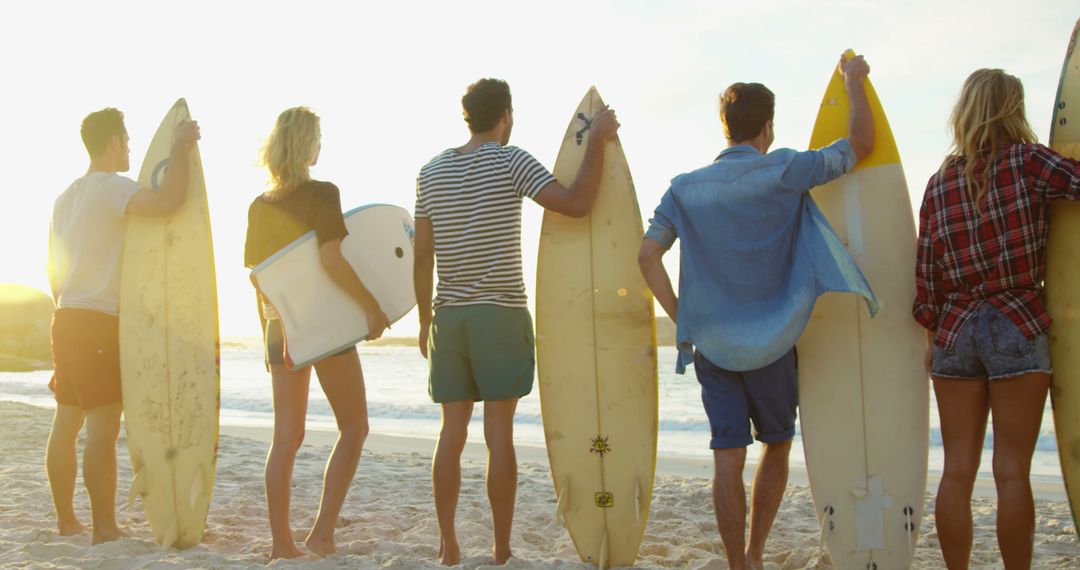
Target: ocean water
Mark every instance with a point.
(398, 404)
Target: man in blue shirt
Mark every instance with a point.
(755, 255)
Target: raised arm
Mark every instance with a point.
(167, 200)
(577, 200)
(860, 120)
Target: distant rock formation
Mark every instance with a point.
(25, 318)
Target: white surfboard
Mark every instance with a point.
(596, 357)
(169, 352)
(863, 388)
(318, 317)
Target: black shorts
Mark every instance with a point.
(86, 357)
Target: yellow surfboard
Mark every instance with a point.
(596, 353)
(169, 352)
(863, 389)
(1063, 283)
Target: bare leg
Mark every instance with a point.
(99, 470)
(770, 482)
(1017, 405)
(962, 406)
(290, 412)
(343, 383)
(501, 473)
(62, 464)
(729, 502)
(446, 476)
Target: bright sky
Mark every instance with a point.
(387, 79)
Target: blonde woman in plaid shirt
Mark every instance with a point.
(980, 265)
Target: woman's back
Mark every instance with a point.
(993, 250)
(275, 223)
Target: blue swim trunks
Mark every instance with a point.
(990, 345)
(768, 397)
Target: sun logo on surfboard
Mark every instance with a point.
(600, 446)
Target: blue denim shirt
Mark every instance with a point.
(756, 252)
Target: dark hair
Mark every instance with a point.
(484, 103)
(744, 110)
(100, 126)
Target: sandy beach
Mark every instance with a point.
(388, 519)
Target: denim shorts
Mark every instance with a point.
(768, 397)
(990, 345)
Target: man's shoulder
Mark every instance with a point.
(437, 161)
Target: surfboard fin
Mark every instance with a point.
(168, 538)
(138, 487)
(198, 487)
(638, 500)
(564, 500)
(603, 551)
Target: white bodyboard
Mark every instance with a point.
(318, 317)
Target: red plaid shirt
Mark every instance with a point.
(964, 258)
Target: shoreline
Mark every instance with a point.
(1049, 488)
(694, 467)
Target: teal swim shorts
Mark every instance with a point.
(480, 353)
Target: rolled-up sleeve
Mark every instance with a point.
(662, 227)
(928, 300)
(1056, 175)
(816, 167)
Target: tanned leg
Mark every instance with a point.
(446, 476)
(501, 472)
(290, 413)
(343, 383)
(61, 464)
(963, 406)
(770, 482)
(1017, 406)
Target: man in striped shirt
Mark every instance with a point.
(479, 337)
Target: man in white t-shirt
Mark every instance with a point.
(85, 244)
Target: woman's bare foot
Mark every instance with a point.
(449, 555)
(70, 528)
(501, 556)
(285, 551)
(321, 547)
(108, 535)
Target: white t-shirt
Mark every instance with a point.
(86, 240)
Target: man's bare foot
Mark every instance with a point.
(449, 555)
(502, 556)
(320, 547)
(285, 551)
(109, 535)
(70, 528)
(754, 563)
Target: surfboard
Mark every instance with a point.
(1063, 283)
(318, 317)
(596, 355)
(863, 388)
(169, 359)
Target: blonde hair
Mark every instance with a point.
(988, 117)
(290, 149)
